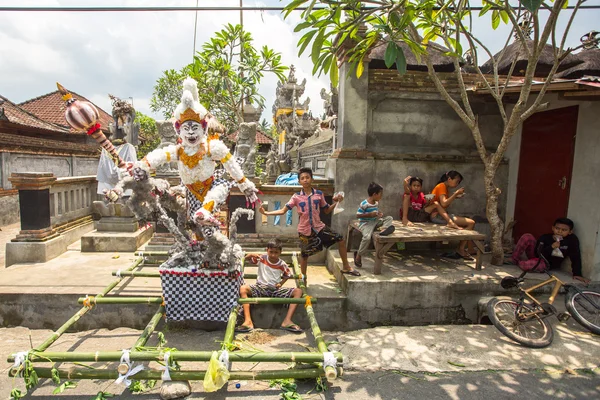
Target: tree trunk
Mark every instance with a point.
(492, 193)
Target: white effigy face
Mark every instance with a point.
(191, 133)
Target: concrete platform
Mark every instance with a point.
(49, 296)
(421, 288)
(98, 241)
(414, 289)
(40, 252)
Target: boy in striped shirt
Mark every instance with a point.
(273, 272)
(369, 219)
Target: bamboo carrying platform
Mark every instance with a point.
(324, 363)
(420, 232)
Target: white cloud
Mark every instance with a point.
(125, 53)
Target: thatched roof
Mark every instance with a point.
(441, 63)
(590, 65)
(515, 51)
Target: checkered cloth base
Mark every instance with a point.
(200, 297)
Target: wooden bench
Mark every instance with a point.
(420, 232)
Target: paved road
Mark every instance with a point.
(496, 385)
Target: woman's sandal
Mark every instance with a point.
(352, 272)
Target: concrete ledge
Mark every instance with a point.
(115, 241)
(421, 288)
(51, 310)
(39, 252)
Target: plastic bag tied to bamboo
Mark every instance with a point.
(83, 116)
(217, 373)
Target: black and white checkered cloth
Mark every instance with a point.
(194, 204)
(191, 296)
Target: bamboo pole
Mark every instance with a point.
(272, 300)
(139, 274)
(230, 330)
(330, 372)
(143, 339)
(183, 355)
(81, 373)
(298, 274)
(151, 253)
(122, 300)
(159, 300)
(55, 335)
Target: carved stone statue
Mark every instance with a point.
(271, 167)
(246, 147)
(168, 137)
(124, 126)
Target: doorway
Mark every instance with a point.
(545, 166)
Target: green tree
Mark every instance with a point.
(228, 70)
(167, 92)
(347, 30)
(264, 126)
(148, 132)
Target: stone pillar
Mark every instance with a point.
(352, 108)
(4, 166)
(351, 166)
(34, 205)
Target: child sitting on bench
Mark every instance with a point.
(416, 207)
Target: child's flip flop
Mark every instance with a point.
(244, 329)
(292, 328)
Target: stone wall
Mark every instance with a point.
(60, 166)
(9, 204)
(391, 126)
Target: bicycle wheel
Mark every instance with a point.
(584, 306)
(532, 332)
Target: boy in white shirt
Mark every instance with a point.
(273, 272)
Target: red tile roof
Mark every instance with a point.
(51, 108)
(18, 115)
(261, 138)
(19, 143)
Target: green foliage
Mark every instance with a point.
(16, 394)
(167, 92)
(264, 126)
(103, 396)
(161, 339)
(55, 376)
(29, 375)
(63, 386)
(416, 23)
(142, 386)
(531, 5)
(150, 133)
(228, 70)
(259, 167)
(289, 389)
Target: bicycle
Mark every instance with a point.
(526, 320)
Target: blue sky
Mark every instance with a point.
(125, 53)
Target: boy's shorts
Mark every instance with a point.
(418, 215)
(314, 243)
(262, 290)
(438, 219)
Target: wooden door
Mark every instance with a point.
(545, 164)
